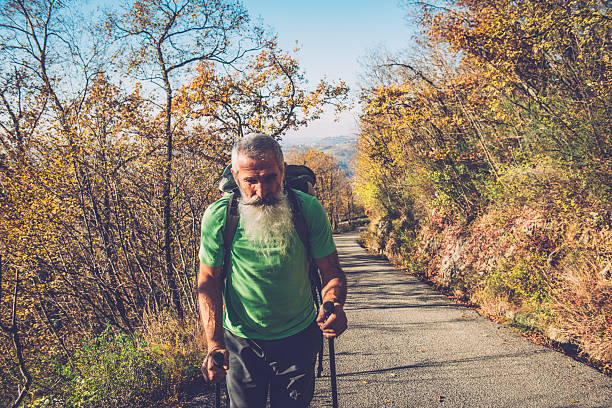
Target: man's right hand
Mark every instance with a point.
(212, 372)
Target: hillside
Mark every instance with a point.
(343, 148)
(485, 165)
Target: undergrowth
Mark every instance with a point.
(114, 369)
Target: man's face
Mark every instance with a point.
(262, 177)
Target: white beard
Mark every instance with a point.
(267, 223)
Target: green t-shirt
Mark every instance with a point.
(266, 297)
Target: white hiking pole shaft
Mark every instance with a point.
(328, 307)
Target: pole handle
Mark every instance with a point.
(218, 359)
(328, 308)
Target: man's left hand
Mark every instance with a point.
(335, 324)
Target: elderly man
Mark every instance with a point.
(269, 330)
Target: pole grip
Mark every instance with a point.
(218, 360)
(328, 308)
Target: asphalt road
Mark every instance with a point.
(409, 346)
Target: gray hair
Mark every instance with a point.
(256, 146)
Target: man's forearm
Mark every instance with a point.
(335, 290)
(333, 279)
(210, 302)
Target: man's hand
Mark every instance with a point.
(334, 290)
(211, 371)
(335, 324)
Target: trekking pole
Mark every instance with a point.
(328, 308)
(218, 361)
(320, 368)
(316, 294)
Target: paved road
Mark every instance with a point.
(409, 346)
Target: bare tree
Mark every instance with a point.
(12, 330)
(179, 34)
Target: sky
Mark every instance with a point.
(333, 36)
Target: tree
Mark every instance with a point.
(549, 58)
(178, 34)
(420, 142)
(333, 188)
(37, 154)
(265, 95)
(89, 165)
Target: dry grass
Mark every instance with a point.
(164, 329)
(584, 299)
(182, 344)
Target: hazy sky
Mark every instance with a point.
(333, 36)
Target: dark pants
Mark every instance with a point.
(285, 367)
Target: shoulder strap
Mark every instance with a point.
(299, 221)
(231, 224)
(301, 227)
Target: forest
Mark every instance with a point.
(115, 128)
(485, 163)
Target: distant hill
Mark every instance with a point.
(341, 147)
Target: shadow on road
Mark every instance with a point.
(444, 363)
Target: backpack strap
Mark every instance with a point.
(231, 224)
(301, 227)
(299, 222)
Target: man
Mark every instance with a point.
(269, 331)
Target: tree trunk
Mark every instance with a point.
(167, 199)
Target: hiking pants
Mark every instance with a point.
(285, 367)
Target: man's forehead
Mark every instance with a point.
(266, 162)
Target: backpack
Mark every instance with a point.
(297, 177)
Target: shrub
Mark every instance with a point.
(124, 370)
(115, 370)
(584, 298)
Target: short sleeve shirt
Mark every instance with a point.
(266, 296)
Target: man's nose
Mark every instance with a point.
(260, 190)
(264, 189)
